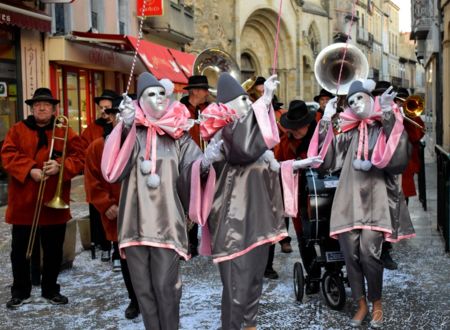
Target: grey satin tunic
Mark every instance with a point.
(368, 198)
(156, 217)
(247, 209)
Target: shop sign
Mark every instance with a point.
(8, 70)
(152, 8)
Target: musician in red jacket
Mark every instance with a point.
(415, 134)
(25, 157)
(105, 198)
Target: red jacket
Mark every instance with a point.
(99, 192)
(91, 133)
(195, 130)
(19, 155)
(414, 136)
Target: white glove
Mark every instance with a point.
(127, 110)
(330, 109)
(386, 99)
(212, 153)
(307, 162)
(270, 85)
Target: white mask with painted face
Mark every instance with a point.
(240, 104)
(154, 101)
(361, 104)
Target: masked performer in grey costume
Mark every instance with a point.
(247, 205)
(151, 153)
(371, 151)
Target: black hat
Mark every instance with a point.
(259, 81)
(115, 106)
(106, 95)
(197, 81)
(297, 116)
(42, 94)
(402, 93)
(380, 87)
(323, 92)
(276, 105)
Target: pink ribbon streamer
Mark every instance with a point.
(213, 118)
(290, 188)
(267, 123)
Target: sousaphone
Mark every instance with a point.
(211, 63)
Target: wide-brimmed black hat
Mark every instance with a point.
(106, 95)
(197, 81)
(297, 116)
(402, 93)
(323, 92)
(42, 94)
(259, 81)
(380, 87)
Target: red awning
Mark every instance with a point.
(184, 60)
(161, 61)
(24, 17)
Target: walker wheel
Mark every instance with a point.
(299, 281)
(333, 290)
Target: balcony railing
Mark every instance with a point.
(177, 23)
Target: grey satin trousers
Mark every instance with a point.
(242, 280)
(155, 276)
(362, 251)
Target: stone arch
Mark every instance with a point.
(257, 38)
(314, 39)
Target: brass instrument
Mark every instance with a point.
(249, 87)
(328, 66)
(56, 202)
(413, 106)
(211, 63)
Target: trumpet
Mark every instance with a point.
(56, 202)
(413, 107)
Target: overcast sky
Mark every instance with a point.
(405, 15)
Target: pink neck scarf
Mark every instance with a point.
(173, 122)
(213, 118)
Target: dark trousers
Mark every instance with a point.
(287, 239)
(193, 238)
(127, 278)
(98, 236)
(307, 251)
(155, 275)
(52, 240)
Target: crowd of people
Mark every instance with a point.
(158, 172)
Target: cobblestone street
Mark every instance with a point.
(416, 296)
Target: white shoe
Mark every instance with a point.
(116, 265)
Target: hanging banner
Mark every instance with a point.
(152, 8)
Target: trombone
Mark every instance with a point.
(413, 107)
(56, 202)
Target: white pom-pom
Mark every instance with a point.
(366, 165)
(153, 181)
(357, 164)
(168, 86)
(275, 165)
(368, 84)
(146, 167)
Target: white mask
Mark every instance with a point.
(361, 104)
(154, 101)
(240, 104)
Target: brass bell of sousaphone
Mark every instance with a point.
(328, 65)
(211, 63)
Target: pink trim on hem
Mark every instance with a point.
(399, 238)
(153, 244)
(334, 234)
(251, 247)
